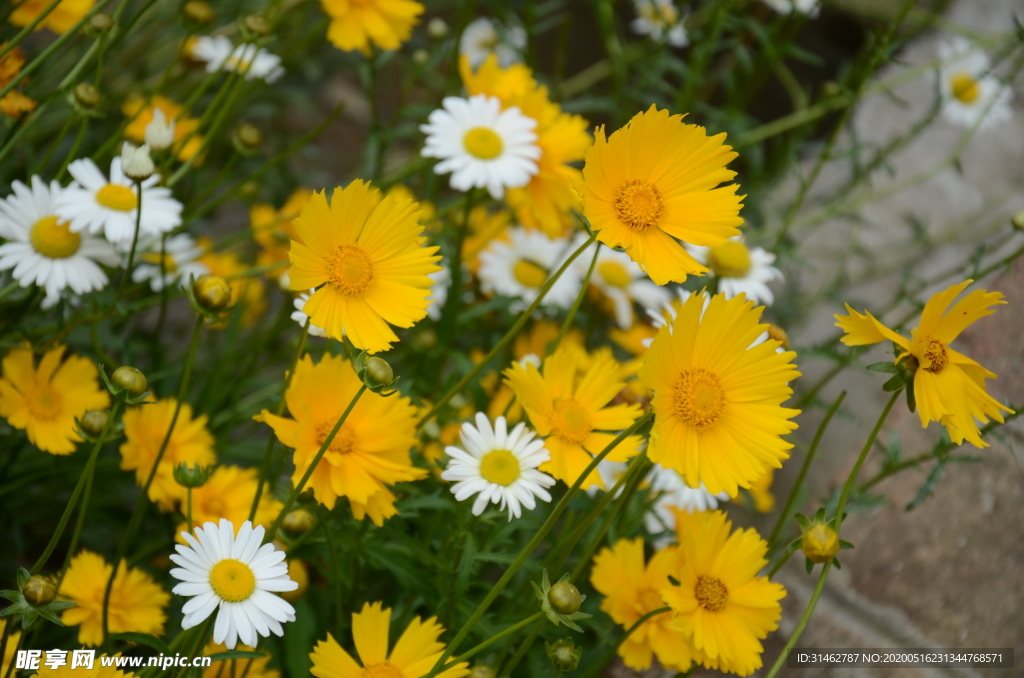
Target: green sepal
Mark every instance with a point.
(887, 367)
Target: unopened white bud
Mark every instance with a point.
(135, 162)
(437, 28)
(159, 133)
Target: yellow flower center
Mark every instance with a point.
(639, 205)
(381, 670)
(44, 403)
(936, 353)
(236, 64)
(53, 240)
(571, 422)
(351, 270)
(529, 274)
(711, 593)
(663, 14)
(615, 274)
(699, 397)
(232, 580)
(483, 142)
(117, 197)
(169, 265)
(965, 88)
(343, 442)
(650, 600)
(731, 259)
(500, 467)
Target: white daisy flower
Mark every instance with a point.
(482, 145)
(519, 267)
(809, 7)
(93, 204)
(439, 291)
(219, 53)
(621, 280)
(671, 491)
(237, 575)
(740, 268)
(299, 316)
(43, 250)
(660, 20)
(498, 466)
(483, 37)
(970, 95)
(180, 265)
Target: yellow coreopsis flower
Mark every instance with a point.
(273, 230)
(415, 653)
(369, 262)
(948, 386)
(721, 603)
(717, 399)
(140, 114)
(547, 201)
(370, 451)
(571, 411)
(44, 401)
(14, 103)
(355, 24)
(144, 430)
(631, 590)
(228, 493)
(137, 602)
(655, 182)
(61, 19)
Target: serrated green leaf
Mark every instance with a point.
(143, 639)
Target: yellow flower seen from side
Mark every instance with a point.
(145, 428)
(246, 290)
(415, 653)
(14, 103)
(948, 386)
(60, 20)
(717, 399)
(137, 602)
(363, 24)
(186, 142)
(370, 451)
(225, 668)
(655, 182)
(368, 259)
(720, 602)
(44, 400)
(228, 493)
(547, 202)
(273, 230)
(572, 412)
(631, 589)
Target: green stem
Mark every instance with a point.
(798, 631)
(74, 150)
(584, 287)
(507, 339)
(492, 640)
(87, 473)
(131, 253)
(332, 555)
(201, 640)
(506, 577)
(31, 26)
(312, 467)
(188, 508)
(791, 499)
(595, 669)
(450, 312)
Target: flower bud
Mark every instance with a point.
(136, 163)
(378, 372)
(191, 475)
(100, 23)
(778, 334)
(39, 590)
(565, 598)
(1018, 220)
(212, 292)
(94, 421)
(87, 96)
(198, 11)
(130, 379)
(564, 654)
(821, 543)
(298, 521)
(256, 25)
(421, 56)
(437, 28)
(159, 133)
(482, 671)
(249, 136)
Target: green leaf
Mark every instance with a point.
(896, 383)
(143, 639)
(810, 565)
(929, 485)
(845, 544)
(236, 654)
(887, 367)
(911, 398)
